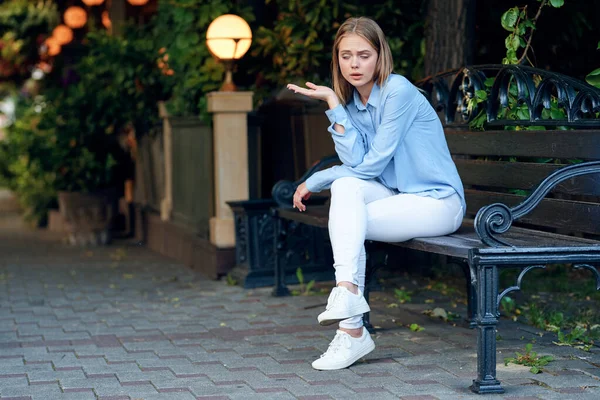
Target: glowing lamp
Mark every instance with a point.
(53, 46)
(63, 34)
(137, 2)
(75, 17)
(91, 3)
(228, 38)
(106, 20)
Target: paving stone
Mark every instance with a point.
(63, 326)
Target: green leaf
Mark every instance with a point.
(300, 276)
(557, 3)
(593, 78)
(557, 113)
(516, 42)
(481, 94)
(509, 18)
(309, 286)
(535, 370)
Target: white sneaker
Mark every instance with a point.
(343, 304)
(344, 350)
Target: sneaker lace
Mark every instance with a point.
(341, 340)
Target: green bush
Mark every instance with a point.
(24, 24)
(70, 139)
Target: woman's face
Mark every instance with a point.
(357, 60)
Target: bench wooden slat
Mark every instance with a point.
(574, 216)
(583, 144)
(314, 216)
(455, 245)
(459, 243)
(519, 175)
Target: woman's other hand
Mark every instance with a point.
(302, 193)
(316, 92)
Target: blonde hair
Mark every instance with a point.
(372, 33)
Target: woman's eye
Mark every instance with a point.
(364, 57)
(345, 57)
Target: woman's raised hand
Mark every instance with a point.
(316, 92)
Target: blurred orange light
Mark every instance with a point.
(137, 2)
(53, 46)
(63, 34)
(92, 2)
(106, 20)
(75, 17)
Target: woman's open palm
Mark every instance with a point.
(313, 91)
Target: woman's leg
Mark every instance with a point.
(347, 229)
(407, 216)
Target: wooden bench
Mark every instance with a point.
(554, 205)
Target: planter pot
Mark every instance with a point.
(88, 216)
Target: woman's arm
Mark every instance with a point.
(399, 111)
(349, 143)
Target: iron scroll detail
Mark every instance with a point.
(282, 193)
(594, 270)
(493, 220)
(450, 93)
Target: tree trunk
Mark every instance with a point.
(449, 34)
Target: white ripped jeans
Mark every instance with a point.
(367, 210)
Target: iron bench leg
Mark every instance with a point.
(487, 320)
(471, 291)
(279, 236)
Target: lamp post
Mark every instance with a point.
(228, 38)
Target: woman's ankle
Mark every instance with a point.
(355, 333)
(349, 285)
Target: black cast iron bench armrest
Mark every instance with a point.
(497, 218)
(283, 190)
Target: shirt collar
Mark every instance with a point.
(373, 98)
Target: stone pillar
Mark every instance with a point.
(230, 143)
(166, 203)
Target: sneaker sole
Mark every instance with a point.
(369, 348)
(332, 319)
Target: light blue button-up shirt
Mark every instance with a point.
(397, 139)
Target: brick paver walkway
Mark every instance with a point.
(124, 323)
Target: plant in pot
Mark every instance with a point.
(77, 135)
(114, 99)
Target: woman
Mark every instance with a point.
(397, 180)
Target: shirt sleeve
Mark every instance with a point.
(399, 111)
(350, 145)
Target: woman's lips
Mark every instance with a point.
(356, 76)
